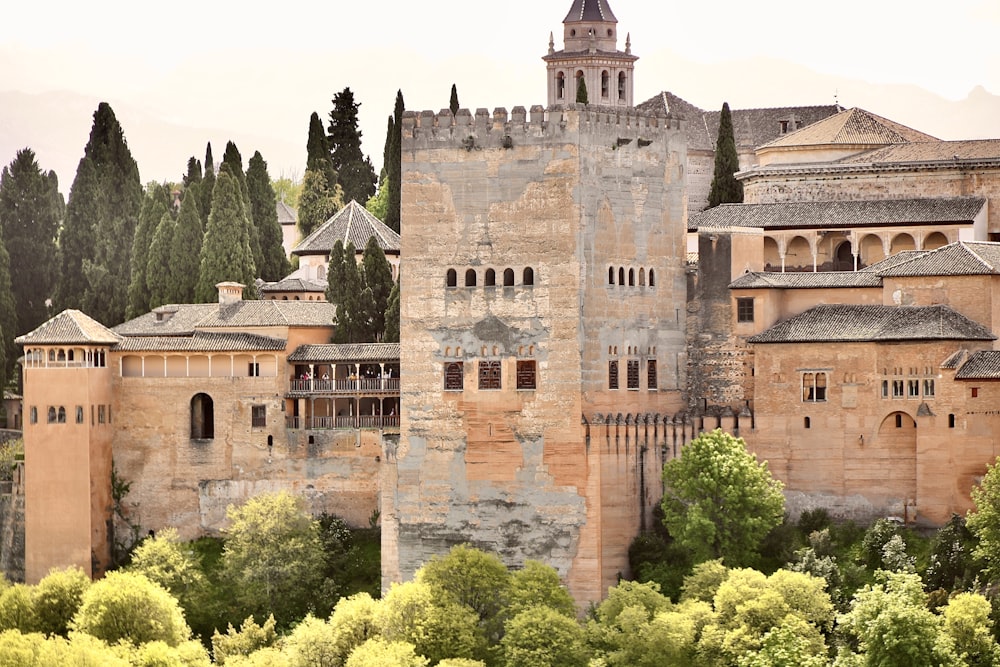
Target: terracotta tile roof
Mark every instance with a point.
(965, 258)
(67, 328)
(170, 320)
(186, 318)
(955, 360)
(202, 341)
(294, 285)
(346, 352)
(982, 365)
(590, 10)
(893, 260)
(353, 224)
(751, 127)
(864, 213)
(850, 127)
(286, 214)
(805, 280)
(930, 151)
(846, 323)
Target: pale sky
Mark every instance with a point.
(183, 73)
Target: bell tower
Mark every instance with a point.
(590, 51)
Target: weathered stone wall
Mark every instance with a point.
(573, 195)
(12, 526)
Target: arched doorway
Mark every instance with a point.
(844, 257)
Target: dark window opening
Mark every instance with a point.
(489, 375)
(899, 421)
(526, 374)
(52, 415)
(451, 279)
(813, 387)
(621, 275)
(807, 423)
(454, 376)
(34, 415)
(61, 417)
(470, 278)
(508, 277)
(102, 414)
(79, 414)
(651, 374)
(621, 85)
(613, 374)
(611, 275)
(744, 309)
(258, 416)
(560, 85)
(529, 276)
(605, 84)
(652, 279)
(631, 277)
(491, 278)
(632, 373)
(951, 421)
(253, 369)
(202, 417)
(975, 392)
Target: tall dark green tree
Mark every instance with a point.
(232, 162)
(316, 202)
(30, 213)
(355, 173)
(155, 204)
(76, 238)
(393, 165)
(107, 271)
(453, 102)
(185, 250)
(193, 175)
(345, 289)
(318, 152)
(377, 278)
(159, 270)
(581, 91)
(392, 316)
(725, 188)
(264, 214)
(225, 253)
(207, 184)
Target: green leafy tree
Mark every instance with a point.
(984, 521)
(392, 316)
(453, 102)
(581, 91)
(355, 172)
(436, 626)
(155, 205)
(318, 157)
(31, 209)
(207, 186)
(394, 164)
(273, 556)
(538, 585)
(57, 598)
(317, 203)
(17, 611)
(378, 204)
(719, 501)
(377, 652)
(287, 189)
(245, 641)
(353, 622)
(160, 654)
(967, 622)
(311, 644)
(158, 269)
(185, 250)
(950, 563)
(225, 252)
(784, 646)
(264, 214)
(725, 188)
(544, 637)
(125, 606)
(704, 581)
(164, 560)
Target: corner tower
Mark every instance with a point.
(590, 50)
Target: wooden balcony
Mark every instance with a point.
(345, 422)
(344, 387)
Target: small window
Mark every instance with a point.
(253, 369)
(489, 375)
(202, 417)
(79, 414)
(928, 388)
(52, 415)
(529, 276)
(102, 415)
(613, 374)
(605, 83)
(975, 392)
(807, 423)
(951, 421)
(470, 278)
(560, 85)
(899, 420)
(454, 376)
(885, 389)
(642, 277)
(621, 275)
(813, 387)
(258, 416)
(508, 277)
(611, 275)
(651, 381)
(652, 279)
(61, 415)
(33, 415)
(632, 373)
(490, 280)
(897, 389)
(451, 278)
(621, 85)
(744, 309)
(631, 277)
(526, 374)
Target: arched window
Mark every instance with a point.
(631, 277)
(61, 417)
(642, 277)
(652, 279)
(611, 275)
(576, 82)
(470, 278)
(491, 278)
(202, 417)
(560, 86)
(451, 279)
(605, 83)
(52, 415)
(621, 275)
(508, 277)
(62, 355)
(529, 276)
(621, 86)
(52, 355)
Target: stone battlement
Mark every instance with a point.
(500, 129)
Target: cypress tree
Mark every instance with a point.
(377, 275)
(392, 315)
(232, 162)
(316, 202)
(264, 213)
(161, 279)
(351, 296)
(185, 250)
(155, 204)
(193, 175)
(453, 103)
(318, 152)
(30, 212)
(354, 170)
(393, 166)
(76, 238)
(207, 184)
(581, 91)
(725, 188)
(8, 322)
(225, 252)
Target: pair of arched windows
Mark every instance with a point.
(490, 277)
(628, 276)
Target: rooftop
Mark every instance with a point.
(850, 127)
(351, 224)
(964, 258)
(345, 352)
(806, 280)
(70, 327)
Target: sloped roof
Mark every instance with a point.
(892, 260)
(590, 10)
(955, 359)
(930, 151)
(805, 280)
(983, 365)
(346, 352)
(851, 127)
(751, 127)
(68, 328)
(850, 323)
(293, 285)
(851, 213)
(202, 341)
(964, 258)
(187, 318)
(286, 214)
(353, 224)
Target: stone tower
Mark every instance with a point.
(542, 331)
(590, 39)
(67, 397)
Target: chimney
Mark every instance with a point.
(230, 293)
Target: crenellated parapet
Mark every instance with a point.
(480, 130)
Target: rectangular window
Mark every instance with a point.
(102, 415)
(258, 416)
(928, 388)
(651, 379)
(489, 375)
(79, 414)
(897, 389)
(253, 369)
(913, 388)
(34, 415)
(526, 374)
(613, 374)
(52, 415)
(744, 309)
(813, 387)
(633, 373)
(975, 392)
(885, 389)
(454, 376)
